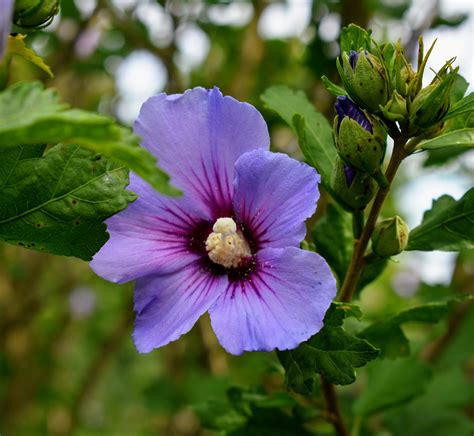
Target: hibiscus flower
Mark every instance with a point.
(230, 245)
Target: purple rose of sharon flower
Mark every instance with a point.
(6, 12)
(230, 244)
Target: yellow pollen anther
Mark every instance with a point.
(226, 245)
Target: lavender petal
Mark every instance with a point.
(197, 137)
(279, 306)
(167, 306)
(148, 237)
(274, 194)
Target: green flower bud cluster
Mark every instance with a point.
(390, 237)
(35, 13)
(381, 81)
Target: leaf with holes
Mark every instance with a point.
(30, 114)
(56, 202)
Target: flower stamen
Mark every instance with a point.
(226, 244)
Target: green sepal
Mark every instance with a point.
(358, 147)
(358, 194)
(396, 108)
(333, 88)
(367, 83)
(432, 103)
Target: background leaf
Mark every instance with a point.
(462, 137)
(446, 397)
(313, 129)
(332, 235)
(392, 383)
(447, 226)
(331, 352)
(388, 335)
(463, 106)
(57, 203)
(30, 115)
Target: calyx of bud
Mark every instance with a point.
(390, 237)
(396, 108)
(364, 79)
(35, 13)
(360, 138)
(354, 189)
(431, 104)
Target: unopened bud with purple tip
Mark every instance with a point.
(360, 139)
(354, 189)
(364, 79)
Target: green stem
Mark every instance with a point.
(357, 223)
(357, 261)
(333, 409)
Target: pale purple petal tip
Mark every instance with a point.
(347, 108)
(353, 56)
(6, 12)
(350, 174)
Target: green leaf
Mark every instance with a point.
(463, 137)
(374, 266)
(440, 156)
(355, 38)
(446, 398)
(250, 412)
(392, 383)
(57, 202)
(388, 334)
(463, 106)
(32, 115)
(313, 130)
(333, 88)
(332, 235)
(448, 226)
(332, 352)
(16, 45)
(219, 415)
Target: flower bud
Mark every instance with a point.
(431, 104)
(35, 13)
(354, 189)
(401, 72)
(390, 237)
(365, 79)
(396, 108)
(360, 139)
